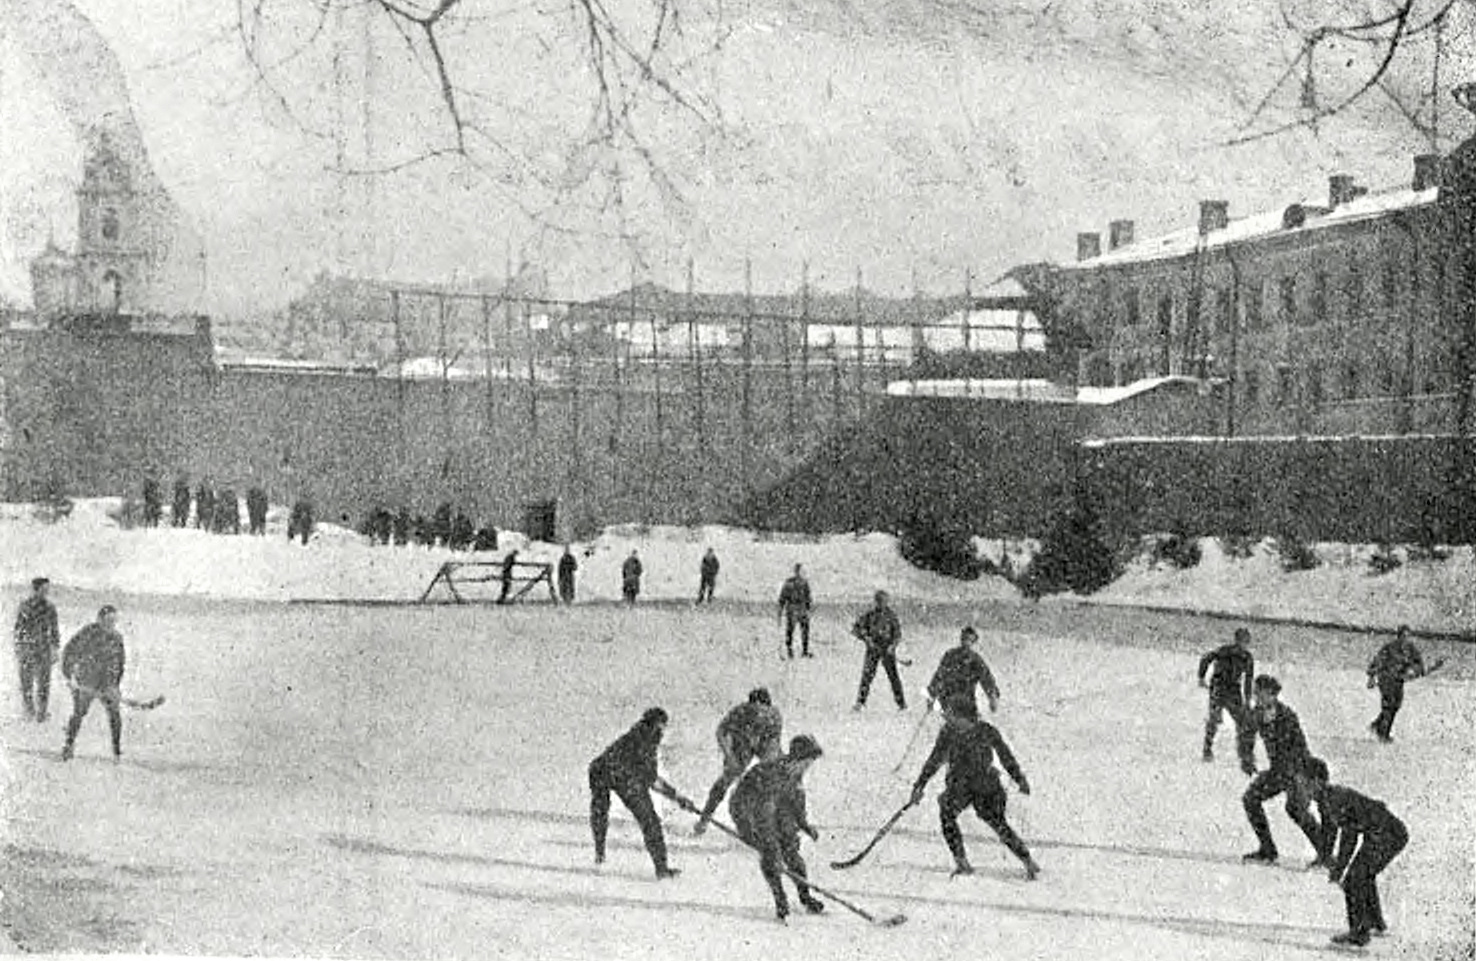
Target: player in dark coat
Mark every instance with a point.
(92, 663)
(1396, 662)
(1348, 818)
(153, 501)
(794, 611)
(227, 512)
(204, 506)
(568, 567)
(753, 730)
(256, 510)
(37, 637)
(768, 809)
(879, 631)
(180, 515)
(630, 578)
(707, 576)
(1286, 749)
(1233, 668)
(960, 671)
(969, 746)
(509, 569)
(627, 768)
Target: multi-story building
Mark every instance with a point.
(1330, 316)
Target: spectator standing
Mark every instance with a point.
(794, 611)
(37, 637)
(707, 576)
(630, 578)
(568, 567)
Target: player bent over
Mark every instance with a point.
(969, 746)
(751, 731)
(627, 768)
(768, 809)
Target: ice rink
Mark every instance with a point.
(398, 782)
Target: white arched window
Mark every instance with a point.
(112, 291)
(110, 227)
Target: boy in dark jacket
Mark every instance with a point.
(1286, 749)
(1348, 818)
(628, 769)
(92, 663)
(707, 576)
(630, 578)
(768, 809)
(1231, 668)
(37, 637)
(1396, 662)
(795, 601)
(879, 631)
(751, 731)
(969, 746)
(960, 671)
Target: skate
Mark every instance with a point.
(1260, 856)
(961, 866)
(813, 904)
(856, 708)
(781, 911)
(1207, 756)
(1032, 870)
(1352, 939)
(666, 874)
(699, 829)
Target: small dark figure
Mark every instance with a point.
(1348, 818)
(37, 637)
(1396, 662)
(441, 526)
(753, 730)
(486, 540)
(879, 631)
(402, 527)
(1233, 669)
(300, 521)
(204, 506)
(227, 513)
(1286, 750)
(92, 663)
(423, 535)
(768, 809)
(960, 671)
(153, 502)
(180, 510)
(627, 768)
(509, 571)
(256, 511)
(568, 567)
(462, 532)
(794, 611)
(969, 746)
(708, 574)
(630, 578)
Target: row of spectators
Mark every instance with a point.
(447, 527)
(219, 511)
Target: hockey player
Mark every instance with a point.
(1396, 662)
(707, 573)
(1286, 749)
(795, 601)
(630, 578)
(878, 629)
(768, 809)
(92, 663)
(628, 769)
(1231, 668)
(751, 731)
(969, 746)
(37, 637)
(1348, 818)
(960, 671)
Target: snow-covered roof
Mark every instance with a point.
(1268, 223)
(1037, 390)
(287, 365)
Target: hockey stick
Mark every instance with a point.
(134, 703)
(886, 922)
(883, 832)
(912, 741)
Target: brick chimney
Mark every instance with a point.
(1119, 234)
(1088, 246)
(1213, 215)
(1339, 190)
(1426, 171)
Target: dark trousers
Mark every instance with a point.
(1391, 698)
(34, 664)
(735, 761)
(989, 804)
(705, 589)
(1360, 884)
(81, 702)
(566, 590)
(637, 800)
(888, 661)
(630, 590)
(1245, 732)
(778, 850)
(800, 619)
(1267, 785)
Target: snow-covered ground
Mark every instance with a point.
(404, 781)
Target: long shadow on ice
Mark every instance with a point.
(378, 849)
(573, 899)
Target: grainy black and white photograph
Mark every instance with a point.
(741, 479)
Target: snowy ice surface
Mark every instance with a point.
(409, 782)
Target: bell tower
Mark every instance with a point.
(111, 261)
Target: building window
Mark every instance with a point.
(1255, 316)
(1288, 300)
(109, 224)
(1319, 298)
(1250, 385)
(112, 291)
(1285, 386)
(1353, 289)
(1130, 307)
(1224, 311)
(1350, 382)
(1391, 283)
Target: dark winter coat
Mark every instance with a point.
(794, 596)
(970, 756)
(756, 729)
(768, 805)
(879, 628)
(567, 568)
(1347, 815)
(36, 624)
(1286, 745)
(95, 658)
(630, 572)
(1399, 660)
(1233, 669)
(709, 568)
(631, 760)
(958, 672)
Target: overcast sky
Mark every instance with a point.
(884, 138)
